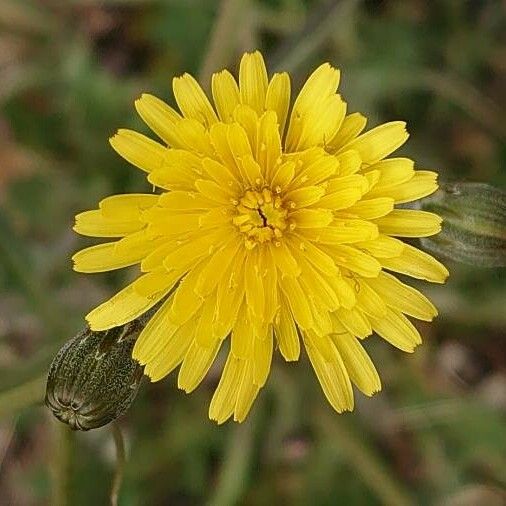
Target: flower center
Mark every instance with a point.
(260, 217)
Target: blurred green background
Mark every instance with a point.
(69, 73)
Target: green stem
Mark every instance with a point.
(364, 461)
(62, 465)
(236, 464)
(223, 39)
(120, 463)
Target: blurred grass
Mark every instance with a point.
(69, 73)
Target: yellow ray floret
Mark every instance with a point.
(270, 227)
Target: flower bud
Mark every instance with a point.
(474, 223)
(93, 379)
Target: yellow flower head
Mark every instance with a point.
(272, 225)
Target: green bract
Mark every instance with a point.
(93, 379)
(474, 226)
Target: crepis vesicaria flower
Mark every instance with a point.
(270, 226)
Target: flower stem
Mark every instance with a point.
(236, 464)
(120, 462)
(62, 465)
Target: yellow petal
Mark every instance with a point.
(215, 269)
(225, 396)
(253, 81)
(382, 247)
(221, 174)
(350, 162)
(185, 201)
(179, 171)
(218, 135)
(284, 260)
(392, 172)
(409, 223)
(268, 144)
(139, 150)
(333, 377)
(249, 120)
(247, 393)
(368, 301)
(303, 197)
(358, 364)
(369, 209)
(354, 260)
(277, 98)
(395, 328)
(423, 183)
(345, 293)
(196, 363)
(322, 323)
(343, 232)
(163, 222)
(403, 297)
(251, 170)
(127, 206)
(155, 335)
(317, 124)
(203, 246)
(204, 334)
(379, 142)
(297, 301)
(160, 117)
(243, 334)
(316, 171)
(417, 264)
(225, 94)
(322, 83)
(312, 218)
(355, 181)
(213, 191)
(156, 281)
(168, 357)
(194, 137)
(192, 100)
(286, 334)
(238, 141)
(283, 175)
(315, 256)
(219, 216)
(351, 126)
(125, 306)
(316, 287)
(354, 321)
(262, 357)
(269, 275)
(103, 257)
(340, 199)
(230, 295)
(186, 302)
(254, 286)
(95, 224)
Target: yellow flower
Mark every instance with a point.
(272, 226)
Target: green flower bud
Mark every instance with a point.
(474, 223)
(93, 379)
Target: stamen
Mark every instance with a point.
(260, 217)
